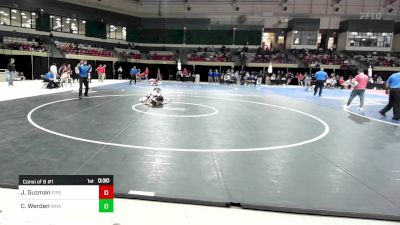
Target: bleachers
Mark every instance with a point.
(81, 49)
(22, 44)
(273, 57)
(320, 57)
(129, 53)
(162, 55)
(378, 59)
(209, 56)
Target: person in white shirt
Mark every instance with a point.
(53, 69)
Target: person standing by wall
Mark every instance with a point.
(53, 69)
(359, 89)
(159, 75)
(11, 72)
(320, 78)
(146, 73)
(120, 70)
(210, 76)
(216, 76)
(393, 89)
(300, 79)
(83, 78)
(98, 70)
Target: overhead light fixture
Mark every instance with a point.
(24, 17)
(23, 14)
(83, 21)
(13, 17)
(33, 13)
(1, 12)
(14, 11)
(6, 14)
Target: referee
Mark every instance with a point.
(83, 78)
(320, 78)
(393, 89)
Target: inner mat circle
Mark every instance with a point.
(240, 125)
(176, 109)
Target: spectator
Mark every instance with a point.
(11, 72)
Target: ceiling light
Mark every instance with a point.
(14, 11)
(23, 14)
(51, 17)
(6, 14)
(33, 13)
(83, 21)
(13, 17)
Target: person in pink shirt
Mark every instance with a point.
(300, 78)
(146, 73)
(361, 81)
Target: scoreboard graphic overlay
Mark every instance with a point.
(66, 193)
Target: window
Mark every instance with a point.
(5, 16)
(369, 39)
(67, 25)
(15, 17)
(34, 16)
(82, 27)
(74, 26)
(55, 23)
(26, 19)
(116, 32)
(305, 37)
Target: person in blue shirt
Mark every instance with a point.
(84, 70)
(210, 76)
(393, 89)
(320, 79)
(133, 73)
(49, 78)
(216, 76)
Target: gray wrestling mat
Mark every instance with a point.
(210, 146)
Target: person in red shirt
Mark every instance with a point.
(361, 81)
(185, 72)
(98, 70)
(300, 78)
(146, 73)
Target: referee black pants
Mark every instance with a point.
(319, 84)
(394, 102)
(133, 77)
(83, 80)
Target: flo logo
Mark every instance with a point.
(370, 16)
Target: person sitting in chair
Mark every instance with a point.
(155, 98)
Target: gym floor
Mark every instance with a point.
(270, 148)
